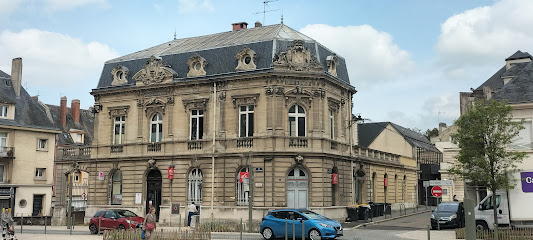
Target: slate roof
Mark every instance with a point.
(368, 132)
(86, 125)
(28, 112)
(495, 82)
(519, 55)
(219, 50)
(4, 75)
(520, 88)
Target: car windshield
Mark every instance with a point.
(126, 213)
(312, 215)
(448, 207)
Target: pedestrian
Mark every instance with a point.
(149, 224)
(192, 211)
(455, 198)
(7, 220)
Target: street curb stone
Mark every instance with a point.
(388, 219)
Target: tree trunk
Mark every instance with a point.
(495, 211)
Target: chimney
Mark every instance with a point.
(239, 26)
(36, 98)
(258, 24)
(63, 113)
(16, 75)
(442, 127)
(75, 110)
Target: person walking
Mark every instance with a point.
(192, 211)
(149, 224)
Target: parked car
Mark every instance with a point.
(114, 219)
(277, 222)
(450, 214)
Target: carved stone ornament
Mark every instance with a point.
(118, 111)
(332, 62)
(245, 99)
(299, 159)
(298, 95)
(198, 103)
(97, 107)
(196, 66)
(245, 59)
(333, 103)
(155, 71)
(297, 58)
(321, 93)
(120, 75)
(153, 106)
(269, 90)
(360, 172)
(222, 96)
(151, 164)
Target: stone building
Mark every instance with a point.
(27, 148)
(259, 116)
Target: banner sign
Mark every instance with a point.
(334, 178)
(170, 172)
(385, 182)
(101, 175)
(527, 181)
(243, 175)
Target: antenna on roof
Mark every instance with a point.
(265, 3)
(281, 16)
(174, 33)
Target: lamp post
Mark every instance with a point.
(73, 168)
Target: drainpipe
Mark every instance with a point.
(213, 155)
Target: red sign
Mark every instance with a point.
(436, 191)
(243, 175)
(334, 178)
(385, 182)
(170, 172)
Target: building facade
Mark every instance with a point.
(259, 116)
(27, 148)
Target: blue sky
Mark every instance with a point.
(408, 59)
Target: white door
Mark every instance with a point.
(297, 188)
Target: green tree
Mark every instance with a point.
(431, 133)
(484, 134)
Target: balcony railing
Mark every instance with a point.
(194, 145)
(300, 142)
(7, 152)
(154, 147)
(245, 142)
(76, 152)
(117, 149)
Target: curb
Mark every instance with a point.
(389, 219)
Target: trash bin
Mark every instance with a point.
(388, 208)
(375, 209)
(352, 214)
(364, 212)
(380, 208)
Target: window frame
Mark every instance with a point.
(199, 116)
(242, 194)
(195, 183)
(40, 145)
(112, 190)
(158, 123)
(332, 123)
(2, 172)
(121, 122)
(249, 120)
(4, 111)
(297, 115)
(40, 173)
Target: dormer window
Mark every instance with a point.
(120, 75)
(3, 111)
(245, 59)
(196, 66)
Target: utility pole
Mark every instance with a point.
(213, 149)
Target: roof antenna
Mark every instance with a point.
(265, 3)
(281, 16)
(174, 33)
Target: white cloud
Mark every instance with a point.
(7, 7)
(371, 56)
(487, 34)
(71, 4)
(195, 5)
(53, 59)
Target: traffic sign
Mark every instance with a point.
(436, 191)
(440, 182)
(83, 196)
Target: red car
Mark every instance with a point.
(114, 219)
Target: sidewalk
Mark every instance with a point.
(395, 214)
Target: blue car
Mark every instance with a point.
(273, 224)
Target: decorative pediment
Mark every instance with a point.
(245, 99)
(118, 111)
(120, 75)
(197, 103)
(154, 72)
(298, 95)
(332, 62)
(153, 106)
(333, 103)
(297, 58)
(245, 59)
(196, 66)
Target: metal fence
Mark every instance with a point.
(159, 235)
(503, 233)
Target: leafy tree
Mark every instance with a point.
(431, 133)
(484, 134)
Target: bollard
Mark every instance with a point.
(99, 225)
(179, 224)
(286, 235)
(240, 229)
(429, 234)
(293, 230)
(45, 220)
(303, 229)
(21, 222)
(31, 220)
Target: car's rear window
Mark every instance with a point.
(98, 214)
(126, 213)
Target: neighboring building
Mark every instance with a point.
(27, 148)
(513, 83)
(414, 150)
(76, 127)
(267, 102)
(444, 142)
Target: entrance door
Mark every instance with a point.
(297, 188)
(153, 191)
(37, 205)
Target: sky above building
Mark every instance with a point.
(408, 60)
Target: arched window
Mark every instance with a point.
(195, 186)
(297, 121)
(243, 186)
(156, 126)
(116, 187)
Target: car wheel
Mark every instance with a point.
(93, 229)
(481, 226)
(267, 233)
(314, 234)
(121, 227)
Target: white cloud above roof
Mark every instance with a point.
(371, 56)
(186, 6)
